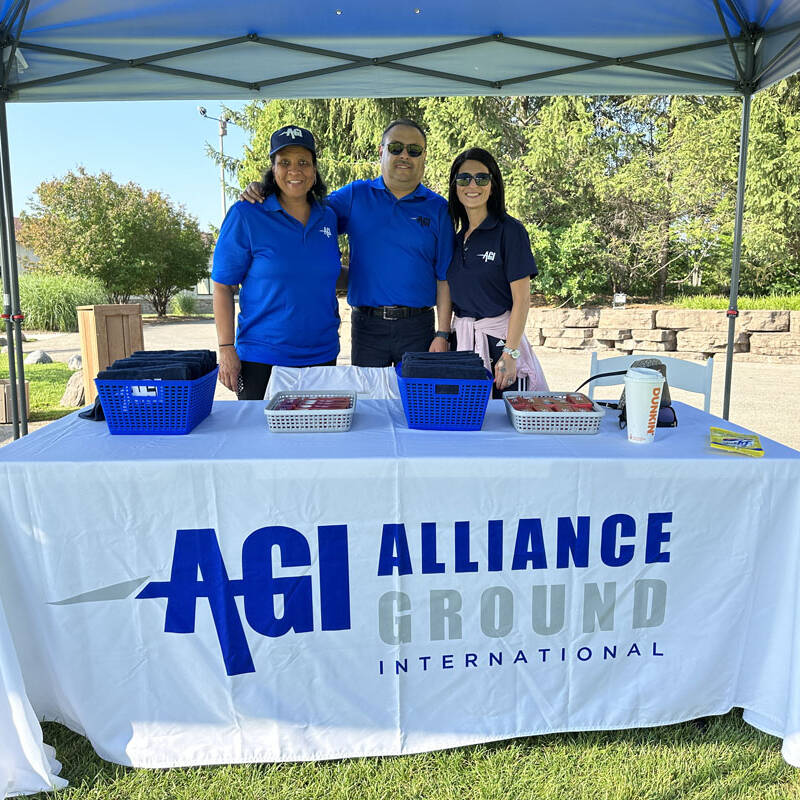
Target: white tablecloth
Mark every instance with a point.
(27, 765)
(235, 595)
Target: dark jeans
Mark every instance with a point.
(254, 377)
(377, 342)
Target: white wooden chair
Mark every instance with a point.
(689, 375)
(375, 383)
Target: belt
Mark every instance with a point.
(392, 312)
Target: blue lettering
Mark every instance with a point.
(463, 564)
(495, 545)
(572, 543)
(261, 587)
(394, 541)
(529, 547)
(520, 656)
(608, 542)
(447, 662)
(430, 565)
(197, 552)
(656, 536)
(495, 658)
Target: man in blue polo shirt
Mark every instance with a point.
(401, 242)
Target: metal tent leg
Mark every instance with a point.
(733, 309)
(19, 405)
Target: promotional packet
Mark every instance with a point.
(747, 444)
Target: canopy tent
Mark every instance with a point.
(60, 50)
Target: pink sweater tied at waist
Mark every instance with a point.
(471, 335)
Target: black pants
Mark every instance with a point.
(254, 377)
(377, 342)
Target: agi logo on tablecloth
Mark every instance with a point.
(569, 546)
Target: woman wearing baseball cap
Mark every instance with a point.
(285, 255)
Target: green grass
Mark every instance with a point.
(728, 760)
(774, 302)
(47, 384)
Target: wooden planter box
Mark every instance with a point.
(108, 332)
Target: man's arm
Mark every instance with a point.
(253, 192)
(444, 316)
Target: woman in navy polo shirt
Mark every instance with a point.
(489, 275)
(285, 255)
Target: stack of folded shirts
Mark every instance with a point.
(453, 364)
(173, 365)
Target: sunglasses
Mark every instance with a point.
(465, 178)
(414, 150)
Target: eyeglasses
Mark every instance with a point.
(414, 150)
(465, 178)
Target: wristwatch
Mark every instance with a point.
(442, 335)
(513, 353)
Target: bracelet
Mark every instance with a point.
(227, 345)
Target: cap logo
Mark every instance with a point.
(293, 132)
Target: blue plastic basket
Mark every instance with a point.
(443, 404)
(155, 406)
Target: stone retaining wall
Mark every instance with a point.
(687, 333)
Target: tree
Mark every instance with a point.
(132, 241)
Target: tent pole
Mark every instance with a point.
(6, 316)
(19, 405)
(733, 309)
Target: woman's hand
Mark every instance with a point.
(229, 368)
(505, 372)
(253, 193)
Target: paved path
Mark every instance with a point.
(764, 396)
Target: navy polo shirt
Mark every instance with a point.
(398, 248)
(497, 252)
(288, 313)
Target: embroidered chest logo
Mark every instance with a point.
(327, 231)
(487, 256)
(425, 222)
(295, 133)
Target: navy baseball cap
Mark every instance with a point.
(290, 135)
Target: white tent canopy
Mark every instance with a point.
(62, 50)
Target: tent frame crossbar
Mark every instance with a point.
(390, 61)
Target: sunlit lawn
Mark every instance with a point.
(47, 384)
(725, 760)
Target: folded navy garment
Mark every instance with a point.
(453, 365)
(167, 372)
(208, 357)
(195, 365)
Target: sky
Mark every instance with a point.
(160, 145)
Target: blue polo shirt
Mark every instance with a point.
(497, 252)
(398, 248)
(288, 313)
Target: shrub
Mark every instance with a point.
(49, 301)
(773, 302)
(184, 305)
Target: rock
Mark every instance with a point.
(654, 335)
(794, 322)
(535, 338)
(3, 341)
(653, 347)
(763, 321)
(775, 344)
(74, 395)
(627, 318)
(568, 333)
(563, 317)
(75, 362)
(710, 342)
(38, 357)
(612, 334)
(692, 319)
